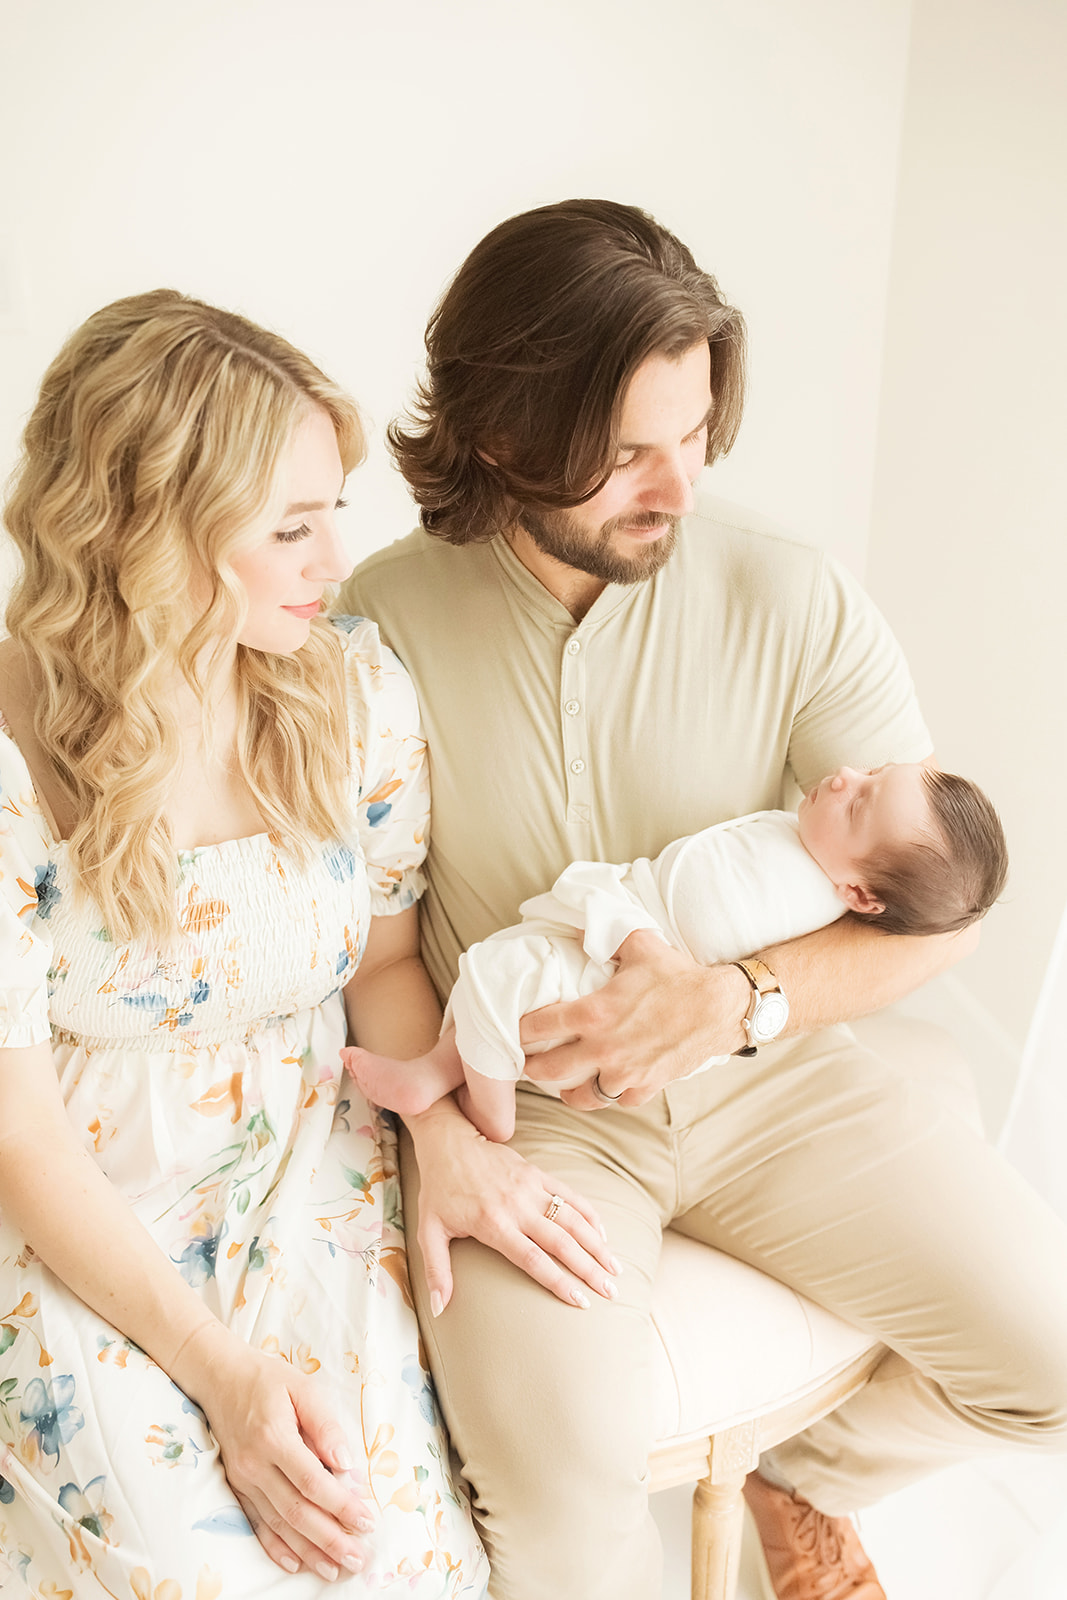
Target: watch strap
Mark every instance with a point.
(763, 982)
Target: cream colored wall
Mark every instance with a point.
(325, 167)
(968, 548)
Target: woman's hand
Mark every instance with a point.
(471, 1188)
(283, 1451)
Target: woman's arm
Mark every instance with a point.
(470, 1187)
(259, 1409)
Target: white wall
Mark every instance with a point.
(968, 551)
(324, 167)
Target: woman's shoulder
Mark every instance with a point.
(378, 685)
(367, 656)
(16, 709)
(360, 638)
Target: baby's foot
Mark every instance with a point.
(394, 1085)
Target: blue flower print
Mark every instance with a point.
(7, 1493)
(146, 1000)
(421, 1388)
(230, 1520)
(54, 1420)
(86, 1506)
(197, 1261)
(347, 624)
(377, 813)
(340, 863)
(49, 893)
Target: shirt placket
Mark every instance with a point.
(574, 730)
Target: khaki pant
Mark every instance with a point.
(823, 1166)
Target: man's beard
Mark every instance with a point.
(562, 535)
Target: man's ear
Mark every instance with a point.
(857, 898)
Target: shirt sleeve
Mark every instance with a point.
(392, 804)
(859, 706)
(25, 954)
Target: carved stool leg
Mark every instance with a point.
(718, 1514)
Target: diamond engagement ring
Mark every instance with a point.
(556, 1203)
(605, 1099)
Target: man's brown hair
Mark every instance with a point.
(941, 884)
(529, 354)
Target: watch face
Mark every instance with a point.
(770, 1017)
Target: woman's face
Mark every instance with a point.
(296, 551)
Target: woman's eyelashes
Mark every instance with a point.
(302, 531)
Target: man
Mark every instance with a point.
(604, 664)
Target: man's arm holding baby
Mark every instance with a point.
(663, 1013)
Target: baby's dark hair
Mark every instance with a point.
(940, 884)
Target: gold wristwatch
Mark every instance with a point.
(768, 1010)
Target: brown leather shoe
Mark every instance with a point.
(808, 1556)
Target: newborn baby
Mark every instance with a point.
(911, 849)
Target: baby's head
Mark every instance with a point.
(913, 849)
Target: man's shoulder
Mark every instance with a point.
(718, 529)
(749, 562)
(417, 562)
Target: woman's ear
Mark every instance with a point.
(857, 898)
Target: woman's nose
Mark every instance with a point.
(329, 560)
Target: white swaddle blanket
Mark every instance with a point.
(717, 895)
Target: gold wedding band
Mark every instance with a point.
(556, 1203)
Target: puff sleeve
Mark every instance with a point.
(26, 880)
(392, 805)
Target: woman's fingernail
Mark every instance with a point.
(365, 1524)
(437, 1304)
(611, 1289)
(342, 1460)
(290, 1563)
(614, 1263)
(327, 1570)
(603, 1232)
(353, 1563)
(580, 1299)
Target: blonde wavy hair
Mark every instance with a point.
(154, 447)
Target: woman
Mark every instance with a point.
(213, 813)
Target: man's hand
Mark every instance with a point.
(655, 1021)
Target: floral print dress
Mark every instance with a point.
(207, 1086)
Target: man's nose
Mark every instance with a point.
(668, 488)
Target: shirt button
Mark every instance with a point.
(573, 646)
(572, 707)
(577, 765)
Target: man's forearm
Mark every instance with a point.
(848, 970)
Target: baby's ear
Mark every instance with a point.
(857, 898)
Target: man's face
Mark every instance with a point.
(627, 530)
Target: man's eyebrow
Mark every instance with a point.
(705, 419)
